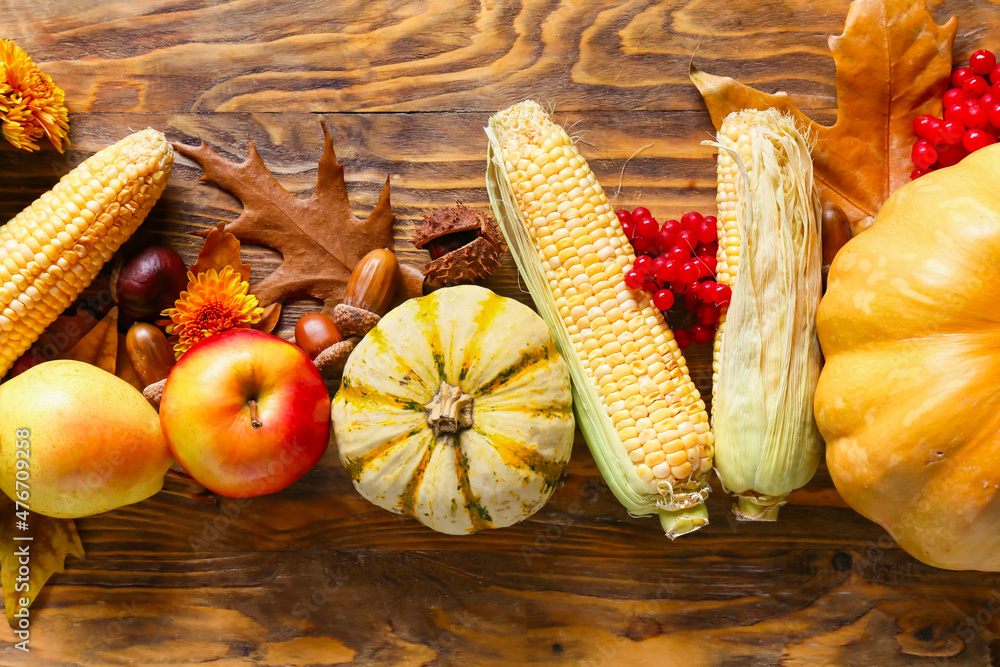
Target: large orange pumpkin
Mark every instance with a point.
(908, 400)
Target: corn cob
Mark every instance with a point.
(767, 358)
(637, 407)
(52, 250)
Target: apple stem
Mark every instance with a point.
(253, 414)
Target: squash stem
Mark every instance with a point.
(758, 507)
(680, 522)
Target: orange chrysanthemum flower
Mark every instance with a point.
(214, 301)
(31, 106)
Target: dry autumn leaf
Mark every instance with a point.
(319, 238)
(893, 63)
(51, 541)
(269, 318)
(100, 346)
(221, 249)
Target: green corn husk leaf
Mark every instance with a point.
(680, 510)
(766, 440)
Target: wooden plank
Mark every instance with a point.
(788, 607)
(385, 55)
(315, 574)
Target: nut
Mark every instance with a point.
(354, 321)
(314, 332)
(331, 361)
(154, 392)
(150, 281)
(149, 352)
(373, 282)
(465, 245)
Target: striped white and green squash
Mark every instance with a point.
(456, 409)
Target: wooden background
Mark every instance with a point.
(315, 575)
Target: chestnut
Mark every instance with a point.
(150, 281)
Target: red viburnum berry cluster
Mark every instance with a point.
(677, 258)
(971, 117)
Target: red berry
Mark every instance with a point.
(642, 245)
(951, 155)
(687, 239)
(641, 212)
(633, 279)
(921, 125)
(679, 253)
(987, 100)
(952, 132)
(643, 265)
(711, 219)
(975, 139)
(623, 215)
(647, 228)
(706, 290)
(691, 302)
(668, 271)
(723, 295)
(923, 154)
(707, 313)
(702, 333)
(982, 62)
(917, 173)
(934, 130)
(975, 116)
(690, 272)
(707, 250)
(683, 338)
(953, 96)
(663, 299)
(649, 285)
(959, 75)
(678, 287)
(690, 221)
(706, 232)
(668, 233)
(628, 228)
(954, 113)
(993, 113)
(974, 87)
(706, 266)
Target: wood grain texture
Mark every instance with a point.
(315, 575)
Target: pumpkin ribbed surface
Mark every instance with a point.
(456, 409)
(907, 401)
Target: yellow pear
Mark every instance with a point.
(91, 442)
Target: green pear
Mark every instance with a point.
(76, 440)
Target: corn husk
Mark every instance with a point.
(767, 358)
(680, 509)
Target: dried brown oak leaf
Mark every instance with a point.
(319, 238)
(52, 540)
(893, 63)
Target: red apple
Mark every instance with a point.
(245, 413)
